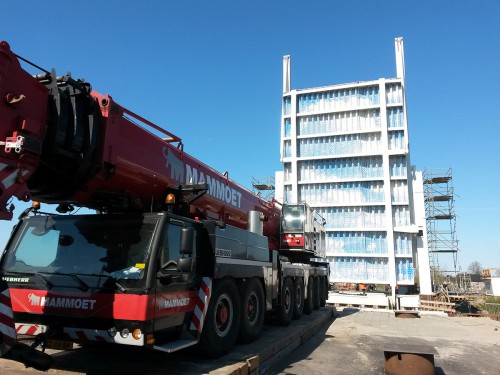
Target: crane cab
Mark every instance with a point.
(302, 230)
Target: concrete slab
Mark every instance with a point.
(358, 299)
(372, 299)
(354, 344)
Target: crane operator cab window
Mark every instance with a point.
(174, 242)
(293, 218)
(117, 246)
(170, 249)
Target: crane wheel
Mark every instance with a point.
(252, 310)
(308, 303)
(287, 302)
(298, 307)
(316, 293)
(323, 291)
(222, 323)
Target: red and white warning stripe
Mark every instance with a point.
(7, 326)
(200, 309)
(95, 335)
(30, 329)
(81, 334)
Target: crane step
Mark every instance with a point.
(173, 346)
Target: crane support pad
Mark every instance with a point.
(409, 359)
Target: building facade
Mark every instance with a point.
(345, 151)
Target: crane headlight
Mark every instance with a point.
(124, 333)
(112, 331)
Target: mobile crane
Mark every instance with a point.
(177, 254)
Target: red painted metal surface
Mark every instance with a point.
(101, 305)
(146, 166)
(23, 113)
(292, 241)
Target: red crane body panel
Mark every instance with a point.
(23, 115)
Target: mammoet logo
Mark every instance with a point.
(190, 175)
(176, 166)
(171, 303)
(62, 302)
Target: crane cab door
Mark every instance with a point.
(174, 297)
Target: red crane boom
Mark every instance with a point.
(61, 142)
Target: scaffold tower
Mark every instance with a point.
(440, 222)
(265, 186)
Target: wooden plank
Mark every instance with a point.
(437, 303)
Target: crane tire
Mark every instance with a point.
(287, 302)
(298, 306)
(316, 293)
(308, 303)
(323, 291)
(252, 310)
(222, 323)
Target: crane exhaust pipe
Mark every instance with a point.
(256, 222)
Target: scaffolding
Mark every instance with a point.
(440, 222)
(264, 186)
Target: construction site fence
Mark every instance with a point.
(492, 308)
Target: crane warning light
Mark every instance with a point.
(150, 340)
(137, 334)
(170, 199)
(35, 205)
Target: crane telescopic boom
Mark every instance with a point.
(61, 142)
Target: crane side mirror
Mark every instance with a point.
(185, 265)
(187, 239)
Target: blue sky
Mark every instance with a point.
(211, 73)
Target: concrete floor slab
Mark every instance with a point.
(354, 344)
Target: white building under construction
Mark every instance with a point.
(345, 152)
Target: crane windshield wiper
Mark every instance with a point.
(82, 285)
(119, 286)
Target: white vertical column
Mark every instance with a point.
(422, 262)
(419, 254)
(293, 132)
(400, 58)
(294, 172)
(286, 74)
(387, 187)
